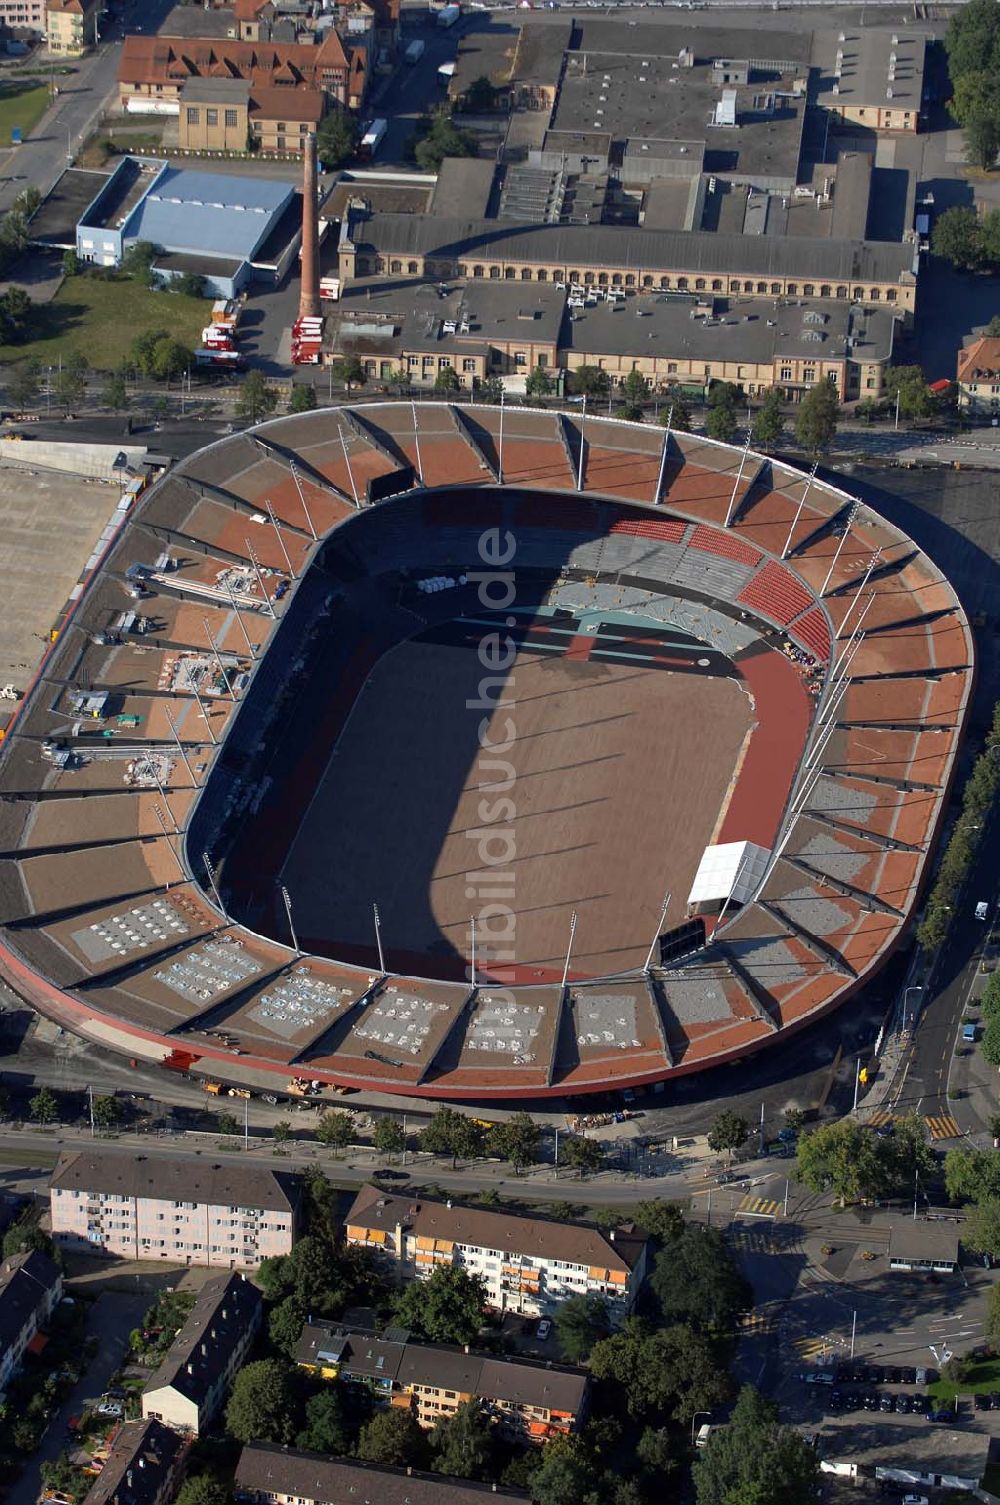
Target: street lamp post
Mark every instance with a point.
(906, 994)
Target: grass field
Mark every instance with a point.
(983, 1378)
(101, 319)
(22, 102)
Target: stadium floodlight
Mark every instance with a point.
(569, 948)
(347, 462)
(166, 836)
(210, 871)
(163, 797)
(798, 511)
(252, 553)
(277, 533)
(579, 466)
(291, 923)
(658, 496)
(472, 923)
(739, 477)
(876, 559)
(251, 647)
(378, 939)
(503, 394)
(203, 710)
(416, 442)
(656, 935)
(848, 525)
(180, 748)
(302, 498)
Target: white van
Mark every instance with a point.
(704, 1433)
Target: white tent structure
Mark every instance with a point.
(729, 871)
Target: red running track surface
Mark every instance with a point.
(783, 715)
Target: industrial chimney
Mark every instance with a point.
(309, 304)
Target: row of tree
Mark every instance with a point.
(968, 240)
(977, 800)
(973, 46)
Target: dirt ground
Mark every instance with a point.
(609, 783)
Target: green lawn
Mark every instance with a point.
(23, 102)
(101, 319)
(983, 1378)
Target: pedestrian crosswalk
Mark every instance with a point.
(943, 1126)
(757, 1322)
(811, 1348)
(879, 1117)
(762, 1206)
(752, 1240)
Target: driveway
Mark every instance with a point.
(112, 1317)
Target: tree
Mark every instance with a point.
(677, 411)
(23, 382)
(452, 1133)
(69, 386)
(43, 1107)
(720, 420)
(480, 96)
(580, 1322)
(322, 1277)
(843, 1158)
(993, 1313)
(583, 1155)
(982, 1227)
(754, 1461)
(282, 1131)
(909, 1159)
(516, 1140)
(439, 137)
(284, 1325)
(256, 399)
(589, 381)
(462, 1443)
(635, 389)
(488, 388)
(26, 1233)
(389, 1138)
(565, 1474)
(447, 380)
(189, 284)
(909, 384)
(203, 1489)
(70, 264)
(654, 1452)
(795, 1119)
(115, 394)
(28, 200)
(661, 1220)
(539, 383)
(972, 41)
(660, 1375)
(337, 138)
(816, 420)
(107, 1112)
(158, 355)
(137, 262)
(448, 1307)
(729, 1131)
(957, 238)
(982, 141)
(303, 398)
(336, 1130)
(349, 370)
(769, 423)
(392, 1438)
(4, 1102)
(263, 1404)
(972, 1175)
(16, 310)
(695, 1280)
(326, 1430)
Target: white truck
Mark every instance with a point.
(415, 51)
(448, 16)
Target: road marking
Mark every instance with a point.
(943, 1126)
(757, 1321)
(879, 1117)
(762, 1206)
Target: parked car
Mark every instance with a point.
(920, 1404)
(947, 1415)
(870, 1401)
(543, 1329)
(902, 1404)
(983, 1403)
(909, 1376)
(916, 1500)
(885, 1402)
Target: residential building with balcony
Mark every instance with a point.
(72, 26)
(188, 1389)
(187, 1213)
(977, 376)
(526, 1400)
(527, 1264)
(30, 1287)
(23, 15)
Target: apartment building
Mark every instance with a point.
(154, 71)
(230, 114)
(527, 1401)
(72, 26)
(23, 15)
(270, 1475)
(144, 1467)
(977, 376)
(637, 260)
(527, 1264)
(30, 1287)
(187, 1213)
(188, 1389)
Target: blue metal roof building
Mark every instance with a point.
(202, 222)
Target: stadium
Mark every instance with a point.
(468, 752)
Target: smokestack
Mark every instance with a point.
(309, 304)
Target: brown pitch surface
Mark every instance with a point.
(619, 777)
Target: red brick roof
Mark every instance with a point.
(982, 355)
(286, 104)
(160, 60)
